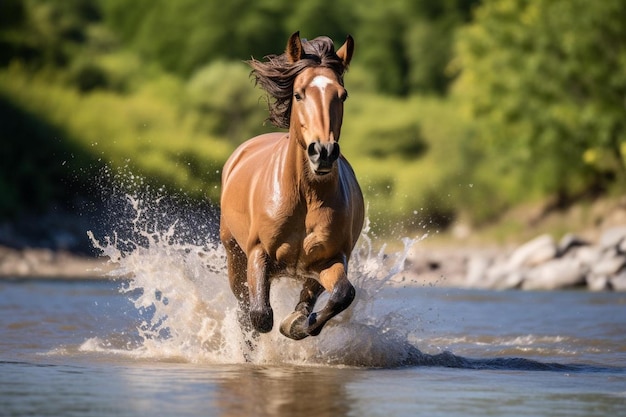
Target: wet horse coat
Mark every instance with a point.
(291, 204)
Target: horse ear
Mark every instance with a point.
(294, 48)
(345, 52)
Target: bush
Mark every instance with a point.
(140, 132)
(545, 82)
(222, 101)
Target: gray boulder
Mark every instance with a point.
(597, 282)
(534, 252)
(609, 264)
(612, 237)
(618, 282)
(558, 273)
(568, 242)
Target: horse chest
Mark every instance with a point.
(306, 242)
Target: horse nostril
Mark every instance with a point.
(330, 152)
(334, 153)
(314, 151)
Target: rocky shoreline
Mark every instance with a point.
(539, 264)
(46, 263)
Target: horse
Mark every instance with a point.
(290, 202)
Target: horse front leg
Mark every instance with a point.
(261, 314)
(335, 280)
(294, 325)
(303, 322)
(237, 263)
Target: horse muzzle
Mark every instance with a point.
(322, 156)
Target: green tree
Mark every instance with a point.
(185, 35)
(408, 44)
(545, 81)
(222, 100)
(44, 33)
(429, 42)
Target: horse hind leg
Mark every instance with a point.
(294, 325)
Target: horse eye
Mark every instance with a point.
(344, 96)
(297, 96)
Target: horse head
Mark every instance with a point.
(317, 104)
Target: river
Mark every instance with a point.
(161, 337)
(71, 348)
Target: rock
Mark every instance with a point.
(45, 263)
(597, 282)
(534, 252)
(618, 282)
(568, 242)
(608, 265)
(512, 280)
(495, 276)
(586, 255)
(558, 273)
(477, 267)
(612, 237)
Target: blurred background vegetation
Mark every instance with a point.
(459, 110)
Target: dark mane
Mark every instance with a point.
(276, 75)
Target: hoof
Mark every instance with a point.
(293, 326)
(262, 321)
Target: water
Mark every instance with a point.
(163, 339)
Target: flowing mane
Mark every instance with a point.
(277, 74)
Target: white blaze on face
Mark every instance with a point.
(320, 82)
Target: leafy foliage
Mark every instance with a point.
(536, 107)
(222, 101)
(545, 82)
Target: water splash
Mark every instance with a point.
(178, 283)
(173, 269)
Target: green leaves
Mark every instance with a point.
(545, 81)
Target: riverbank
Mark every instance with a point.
(46, 263)
(533, 247)
(541, 263)
(56, 246)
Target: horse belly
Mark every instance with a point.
(295, 272)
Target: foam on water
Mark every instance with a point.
(179, 287)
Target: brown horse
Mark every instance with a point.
(290, 204)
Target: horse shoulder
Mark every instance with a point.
(244, 187)
(248, 153)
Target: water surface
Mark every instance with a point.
(163, 339)
(73, 348)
